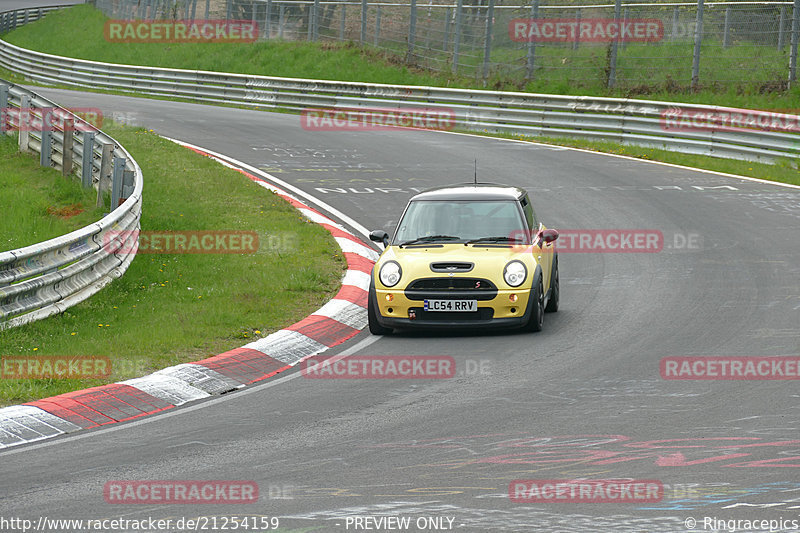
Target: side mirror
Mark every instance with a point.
(379, 235)
(549, 235)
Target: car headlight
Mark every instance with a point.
(515, 273)
(390, 273)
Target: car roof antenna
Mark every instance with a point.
(476, 171)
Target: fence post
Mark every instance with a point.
(781, 24)
(363, 22)
(268, 21)
(377, 25)
(228, 8)
(530, 63)
(194, 9)
(446, 29)
(66, 147)
(698, 41)
(105, 171)
(87, 159)
(727, 28)
(612, 67)
(675, 21)
(487, 51)
(46, 150)
(116, 181)
(457, 35)
(208, 8)
(281, 18)
(412, 30)
(24, 124)
(316, 20)
(793, 46)
(577, 40)
(4, 123)
(342, 20)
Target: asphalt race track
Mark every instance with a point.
(582, 399)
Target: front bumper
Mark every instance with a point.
(498, 312)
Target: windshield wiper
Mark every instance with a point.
(430, 238)
(494, 239)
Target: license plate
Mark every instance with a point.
(451, 305)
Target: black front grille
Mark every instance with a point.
(451, 288)
(452, 266)
(483, 313)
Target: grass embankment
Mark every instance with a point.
(169, 309)
(38, 203)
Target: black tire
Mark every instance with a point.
(372, 319)
(537, 308)
(555, 289)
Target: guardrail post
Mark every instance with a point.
(87, 159)
(781, 24)
(457, 34)
(487, 49)
(363, 22)
(727, 28)
(698, 41)
(612, 66)
(105, 171)
(46, 150)
(412, 30)
(25, 20)
(24, 122)
(793, 46)
(116, 182)
(378, 25)
(127, 184)
(4, 122)
(530, 63)
(66, 147)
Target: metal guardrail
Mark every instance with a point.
(46, 278)
(627, 121)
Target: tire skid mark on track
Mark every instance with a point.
(335, 322)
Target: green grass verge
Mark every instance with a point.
(38, 203)
(169, 309)
(784, 171)
(349, 62)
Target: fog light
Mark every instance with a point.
(512, 297)
(389, 297)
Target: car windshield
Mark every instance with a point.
(460, 221)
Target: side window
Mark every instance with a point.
(530, 216)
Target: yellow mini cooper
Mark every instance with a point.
(465, 256)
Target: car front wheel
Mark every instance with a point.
(537, 309)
